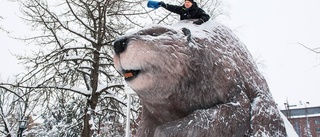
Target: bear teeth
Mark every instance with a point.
(130, 73)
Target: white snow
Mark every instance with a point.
(196, 30)
(303, 116)
(128, 90)
(290, 130)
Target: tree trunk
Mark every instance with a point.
(93, 100)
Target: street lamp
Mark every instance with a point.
(307, 119)
(22, 126)
(288, 109)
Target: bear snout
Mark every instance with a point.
(120, 45)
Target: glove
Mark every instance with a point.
(153, 4)
(162, 4)
(198, 22)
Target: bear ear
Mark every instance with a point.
(187, 33)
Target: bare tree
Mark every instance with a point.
(1, 19)
(13, 107)
(315, 50)
(6, 113)
(74, 60)
(70, 81)
(1, 28)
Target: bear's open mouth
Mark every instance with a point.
(130, 74)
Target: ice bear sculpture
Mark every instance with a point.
(196, 81)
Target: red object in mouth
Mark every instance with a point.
(128, 74)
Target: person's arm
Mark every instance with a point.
(203, 17)
(171, 8)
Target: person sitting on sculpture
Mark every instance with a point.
(189, 10)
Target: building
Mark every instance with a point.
(305, 121)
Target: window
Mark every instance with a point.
(318, 129)
(317, 122)
(297, 127)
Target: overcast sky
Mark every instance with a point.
(8, 45)
(271, 29)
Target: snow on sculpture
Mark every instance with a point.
(196, 81)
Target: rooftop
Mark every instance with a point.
(302, 112)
